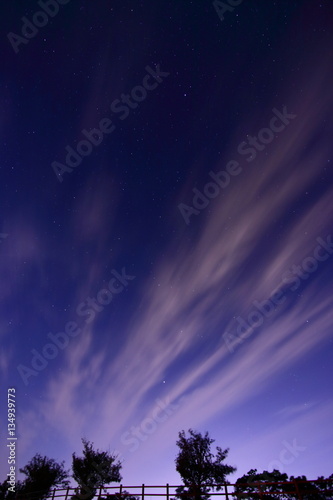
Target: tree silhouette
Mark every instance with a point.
(94, 470)
(42, 473)
(314, 491)
(124, 495)
(247, 486)
(5, 492)
(325, 487)
(197, 466)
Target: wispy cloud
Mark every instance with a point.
(295, 410)
(199, 288)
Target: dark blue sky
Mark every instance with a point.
(166, 248)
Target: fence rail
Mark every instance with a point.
(300, 490)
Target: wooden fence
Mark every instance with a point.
(300, 490)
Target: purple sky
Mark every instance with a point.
(166, 354)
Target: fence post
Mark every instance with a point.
(143, 492)
(54, 490)
(120, 489)
(67, 493)
(226, 491)
(260, 490)
(297, 490)
(167, 491)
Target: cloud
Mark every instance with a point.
(239, 254)
(295, 410)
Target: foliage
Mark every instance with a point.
(247, 486)
(314, 491)
(5, 493)
(325, 487)
(124, 495)
(42, 473)
(94, 470)
(197, 466)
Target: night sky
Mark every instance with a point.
(166, 238)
